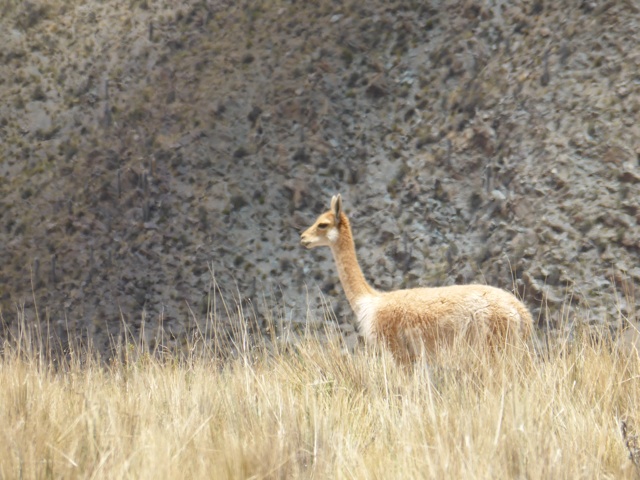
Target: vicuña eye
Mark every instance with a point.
(322, 226)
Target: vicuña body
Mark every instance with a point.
(409, 321)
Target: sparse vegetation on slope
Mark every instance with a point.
(143, 141)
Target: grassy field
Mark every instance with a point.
(314, 411)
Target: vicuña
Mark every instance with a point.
(411, 321)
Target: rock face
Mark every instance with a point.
(150, 147)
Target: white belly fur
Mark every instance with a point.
(366, 314)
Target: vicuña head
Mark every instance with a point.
(420, 319)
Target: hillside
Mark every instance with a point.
(148, 145)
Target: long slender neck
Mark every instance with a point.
(344, 253)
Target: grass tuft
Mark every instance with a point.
(235, 407)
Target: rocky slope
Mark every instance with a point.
(148, 145)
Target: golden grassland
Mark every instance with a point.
(569, 410)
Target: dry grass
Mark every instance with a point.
(313, 411)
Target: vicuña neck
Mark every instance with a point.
(344, 252)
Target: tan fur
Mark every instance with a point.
(408, 321)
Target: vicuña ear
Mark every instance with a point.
(336, 207)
